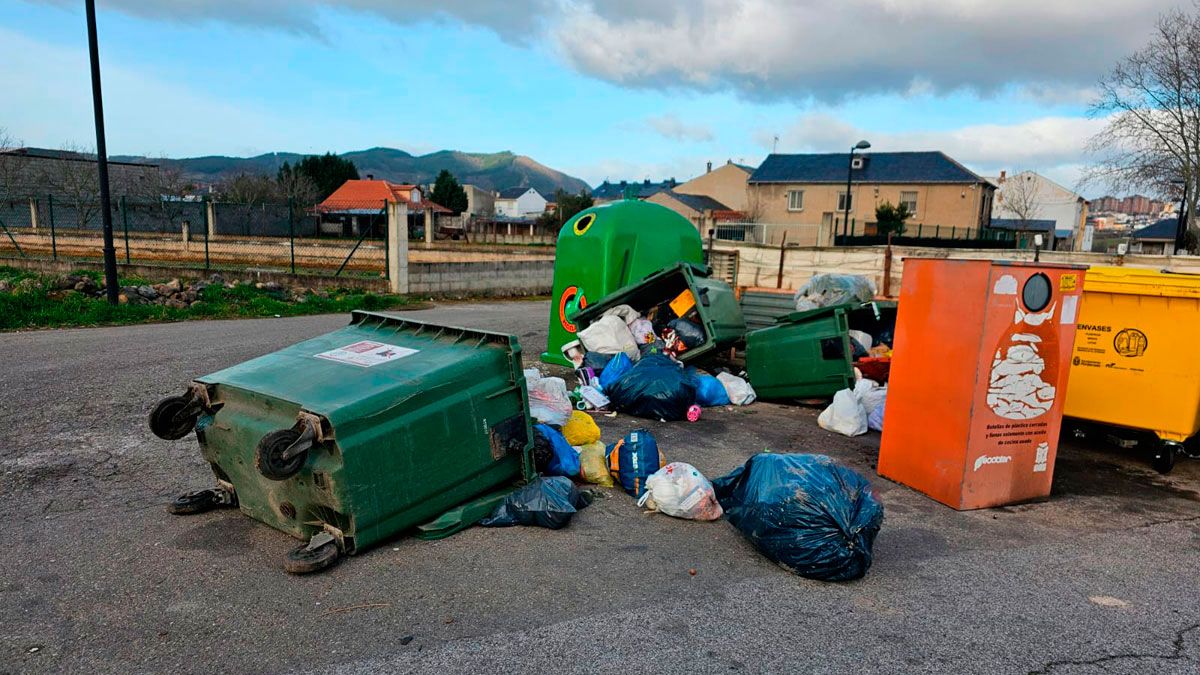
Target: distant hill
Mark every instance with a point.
(490, 171)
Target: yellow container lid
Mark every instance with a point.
(1138, 281)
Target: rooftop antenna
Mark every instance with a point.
(775, 144)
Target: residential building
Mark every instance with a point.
(1156, 239)
(1025, 230)
(609, 191)
(480, 202)
(1029, 196)
(702, 210)
(725, 184)
(38, 172)
(943, 196)
(520, 202)
(360, 202)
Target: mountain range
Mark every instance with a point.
(490, 171)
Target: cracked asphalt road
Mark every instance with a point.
(1099, 579)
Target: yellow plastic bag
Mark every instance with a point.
(581, 429)
(592, 466)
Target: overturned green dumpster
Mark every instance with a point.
(350, 438)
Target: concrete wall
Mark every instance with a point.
(759, 265)
(946, 205)
(498, 278)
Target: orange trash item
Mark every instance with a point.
(978, 378)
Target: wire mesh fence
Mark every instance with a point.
(346, 239)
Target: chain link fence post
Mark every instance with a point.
(292, 231)
(125, 224)
(53, 238)
(207, 226)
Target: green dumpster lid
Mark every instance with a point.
(809, 314)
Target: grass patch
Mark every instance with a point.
(34, 308)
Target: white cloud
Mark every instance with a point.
(765, 49)
(670, 126)
(1053, 146)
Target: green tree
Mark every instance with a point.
(448, 193)
(890, 219)
(327, 172)
(566, 206)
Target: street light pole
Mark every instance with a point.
(861, 145)
(110, 252)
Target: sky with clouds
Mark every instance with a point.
(616, 89)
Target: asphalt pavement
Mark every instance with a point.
(97, 577)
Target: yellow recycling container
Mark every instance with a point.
(1135, 364)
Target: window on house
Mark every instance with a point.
(909, 200)
(795, 200)
(845, 202)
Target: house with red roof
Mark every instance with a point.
(360, 203)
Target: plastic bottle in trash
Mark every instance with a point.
(693, 413)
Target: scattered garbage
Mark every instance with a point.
(643, 331)
(552, 454)
(597, 361)
(810, 515)
(693, 413)
(633, 459)
(655, 388)
(581, 429)
(875, 418)
(680, 490)
(709, 390)
(826, 290)
(593, 464)
(592, 398)
(691, 334)
(549, 401)
(545, 502)
(737, 389)
(618, 366)
(846, 415)
(610, 335)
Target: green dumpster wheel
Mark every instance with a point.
(199, 501)
(1164, 457)
(303, 561)
(162, 419)
(267, 457)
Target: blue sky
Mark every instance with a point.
(618, 90)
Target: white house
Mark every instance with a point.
(1028, 196)
(520, 202)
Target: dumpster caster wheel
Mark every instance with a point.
(200, 501)
(167, 423)
(271, 459)
(307, 559)
(1164, 457)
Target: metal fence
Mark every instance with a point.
(347, 239)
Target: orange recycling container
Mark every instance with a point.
(978, 378)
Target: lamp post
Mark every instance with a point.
(110, 252)
(861, 145)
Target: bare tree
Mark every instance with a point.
(298, 189)
(1018, 198)
(249, 189)
(11, 185)
(1152, 102)
(167, 194)
(76, 183)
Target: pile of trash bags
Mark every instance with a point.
(826, 290)
(810, 515)
(854, 411)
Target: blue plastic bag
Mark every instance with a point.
(617, 366)
(709, 390)
(633, 459)
(563, 460)
(810, 515)
(655, 388)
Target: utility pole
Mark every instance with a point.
(110, 252)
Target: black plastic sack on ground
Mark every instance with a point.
(691, 334)
(805, 512)
(655, 388)
(545, 502)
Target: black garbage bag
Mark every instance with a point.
(689, 333)
(597, 361)
(655, 388)
(810, 515)
(545, 502)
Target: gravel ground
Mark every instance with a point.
(1100, 578)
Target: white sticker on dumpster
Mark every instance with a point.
(366, 353)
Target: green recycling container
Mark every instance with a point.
(389, 423)
(605, 247)
(808, 354)
(720, 314)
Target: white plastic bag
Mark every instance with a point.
(610, 335)
(862, 337)
(869, 393)
(740, 392)
(627, 313)
(680, 490)
(643, 331)
(845, 415)
(875, 419)
(549, 402)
